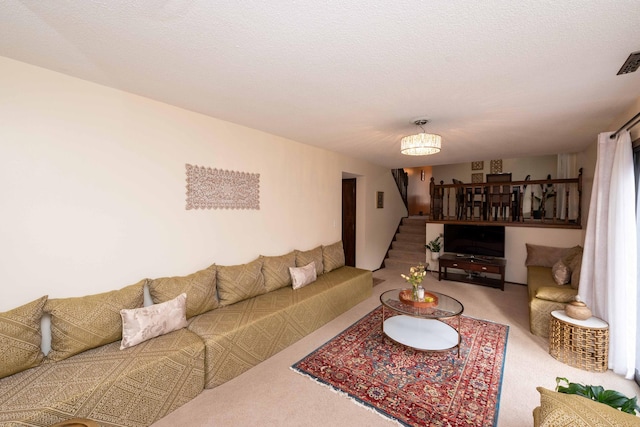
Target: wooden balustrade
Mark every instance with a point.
(542, 202)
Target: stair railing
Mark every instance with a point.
(402, 181)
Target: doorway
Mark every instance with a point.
(349, 221)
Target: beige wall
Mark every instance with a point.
(418, 190)
(93, 190)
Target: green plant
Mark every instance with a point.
(612, 398)
(435, 245)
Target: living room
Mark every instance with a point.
(94, 181)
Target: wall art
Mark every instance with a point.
(477, 177)
(477, 166)
(209, 188)
(496, 166)
(380, 199)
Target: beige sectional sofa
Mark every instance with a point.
(553, 276)
(235, 317)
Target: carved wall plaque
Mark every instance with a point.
(209, 188)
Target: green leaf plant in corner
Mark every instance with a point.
(435, 245)
(613, 398)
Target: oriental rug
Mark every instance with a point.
(413, 387)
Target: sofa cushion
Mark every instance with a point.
(556, 294)
(544, 256)
(333, 256)
(302, 276)
(133, 387)
(20, 337)
(313, 255)
(82, 323)
(142, 324)
(559, 409)
(239, 282)
(200, 288)
(561, 272)
(276, 270)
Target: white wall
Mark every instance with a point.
(515, 245)
(93, 190)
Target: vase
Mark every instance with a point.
(577, 310)
(435, 255)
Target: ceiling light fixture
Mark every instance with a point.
(421, 144)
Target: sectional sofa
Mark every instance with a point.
(119, 363)
(553, 276)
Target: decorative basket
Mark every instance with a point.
(406, 297)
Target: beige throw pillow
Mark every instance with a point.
(240, 282)
(333, 256)
(302, 276)
(276, 270)
(556, 294)
(200, 288)
(314, 255)
(20, 338)
(142, 324)
(544, 256)
(561, 273)
(83, 323)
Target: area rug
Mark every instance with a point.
(413, 387)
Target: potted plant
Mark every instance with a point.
(613, 398)
(434, 246)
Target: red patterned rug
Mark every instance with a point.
(412, 387)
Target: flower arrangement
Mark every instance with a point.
(415, 277)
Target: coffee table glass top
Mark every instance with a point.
(446, 307)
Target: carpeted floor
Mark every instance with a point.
(416, 388)
(271, 394)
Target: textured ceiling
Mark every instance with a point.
(497, 79)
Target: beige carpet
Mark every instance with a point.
(271, 394)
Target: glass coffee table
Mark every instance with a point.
(418, 327)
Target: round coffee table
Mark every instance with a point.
(421, 327)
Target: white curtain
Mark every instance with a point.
(608, 279)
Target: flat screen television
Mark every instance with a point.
(477, 240)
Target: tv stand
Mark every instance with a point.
(493, 266)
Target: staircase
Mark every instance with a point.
(407, 249)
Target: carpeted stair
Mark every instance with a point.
(407, 249)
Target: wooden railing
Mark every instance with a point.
(402, 181)
(542, 202)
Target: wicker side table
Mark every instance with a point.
(582, 344)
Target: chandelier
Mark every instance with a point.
(420, 144)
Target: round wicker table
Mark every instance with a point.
(582, 344)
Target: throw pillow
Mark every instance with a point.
(544, 256)
(333, 256)
(561, 273)
(306, 257)
(200, 288)
(302, 276)
(83, 323)
(142, 324)
(240, 282)
(560, 409)
(556, 294)
(276, 270)
(20, 338)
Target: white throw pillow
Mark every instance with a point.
(142, 324)
(302, 276)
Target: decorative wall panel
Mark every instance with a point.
(209, 188)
